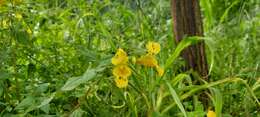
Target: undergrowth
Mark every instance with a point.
(55, 59)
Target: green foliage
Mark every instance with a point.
(176, 99)
(55, 59)
(75, 82)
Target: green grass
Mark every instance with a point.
(63, 68)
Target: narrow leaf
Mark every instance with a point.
(176, 99)
(178, 78)
(218, 102)
(181, 46)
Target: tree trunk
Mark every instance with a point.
(187, 22)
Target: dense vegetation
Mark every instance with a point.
(55, 59)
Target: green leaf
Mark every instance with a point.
(76, 81)
(178, 78)
(46, 101)
(1, 88)
(196, 114)
(211, 47)
(176, 99)
(77, 113)
(46, 108)
(25, 103)
(4, 75)
(207, 10)
(181, 46)
(158, 114)
(108, 35)
(218, 102)
(42, 88)
(224, 16)
(22, 37)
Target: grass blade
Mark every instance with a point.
(176, 99)
(179, 78)
(217, 100)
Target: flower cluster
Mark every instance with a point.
(121, 71)
(149, 59)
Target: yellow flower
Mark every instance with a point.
(120, 57)
(18, 16)
(29, 31)
(121, 82)
(153, 47)
(5, 23)
(211, 113)
(122, 71)
(160, 71)
(147, 60)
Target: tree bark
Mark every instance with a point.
(187, 21)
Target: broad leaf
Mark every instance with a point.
(46, 101)
(77, 113)
(76, 81)
(25, 103)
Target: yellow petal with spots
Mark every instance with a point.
(153, 47)
(121, 82)
(147, 60)
(120, 57)
(122, 71)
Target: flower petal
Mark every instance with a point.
(120, 57)
(147, 60)
(121, 82)
(122, 71)
(160, 71)
(153, 47)
(211, 113)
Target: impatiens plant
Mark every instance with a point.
(121, 71)
(118, 58)
(149, 60)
